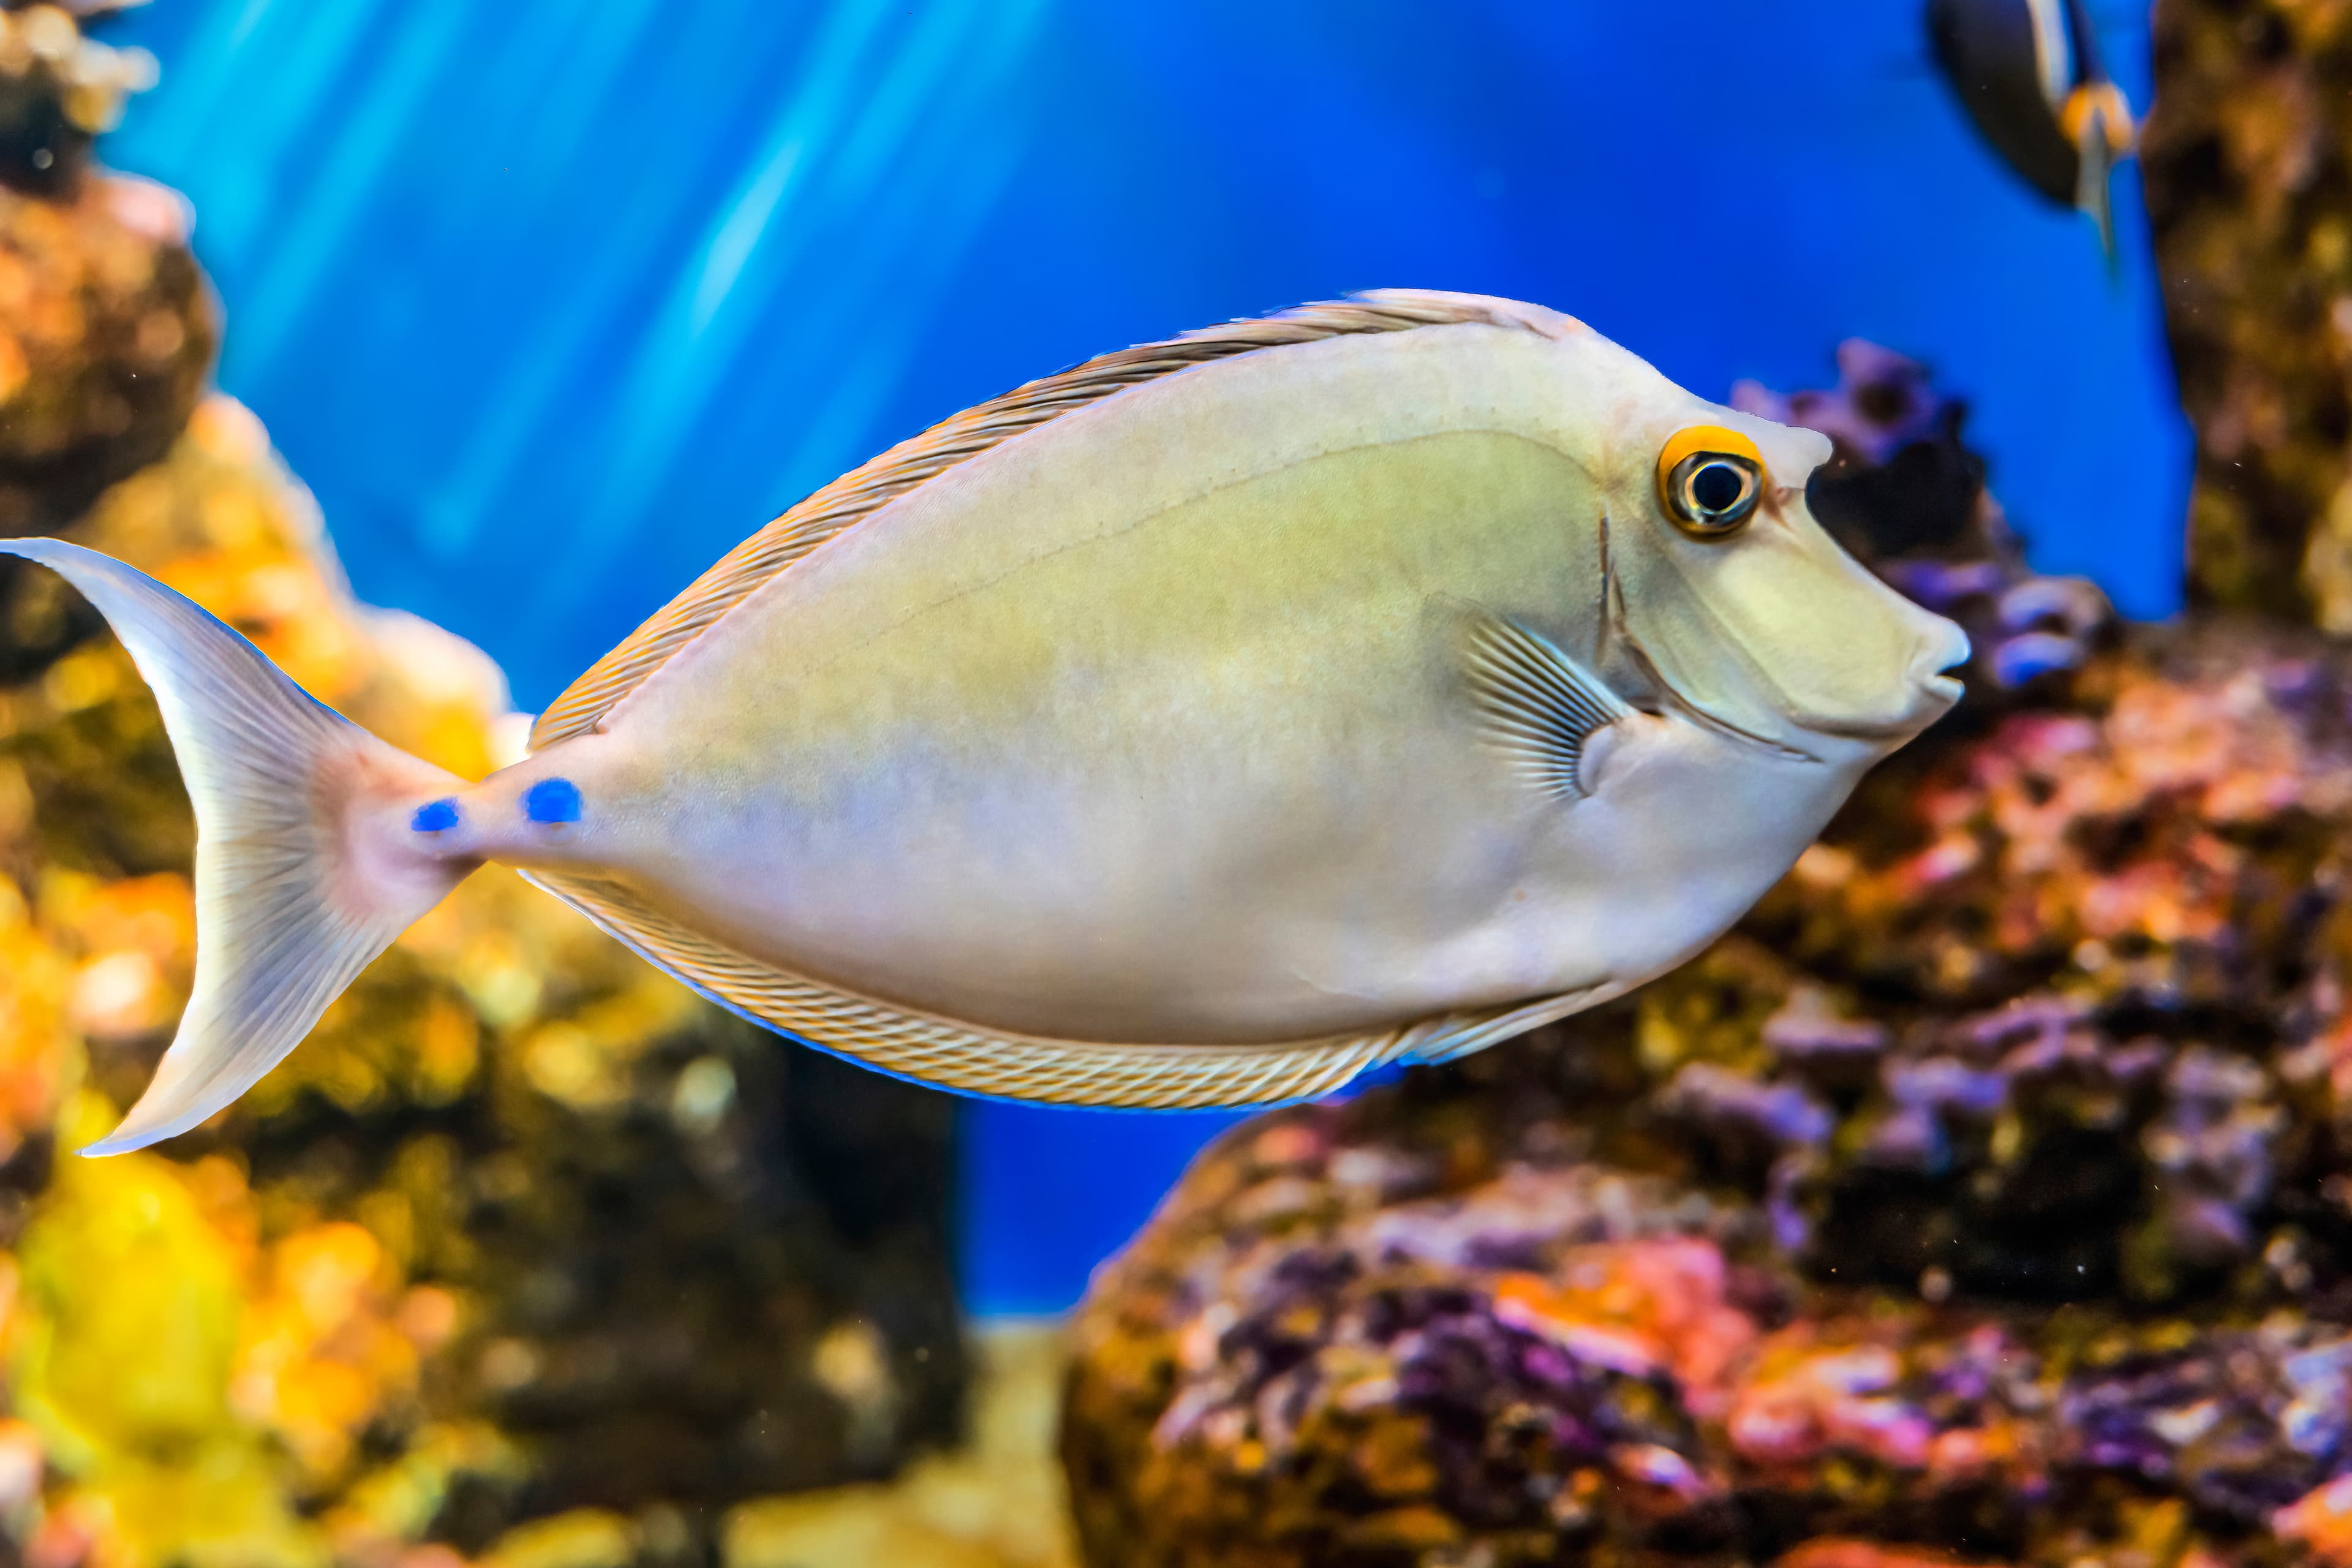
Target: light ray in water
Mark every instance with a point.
(372, 136)
(852, 137)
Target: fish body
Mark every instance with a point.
(2030, 77)
(1197, 727)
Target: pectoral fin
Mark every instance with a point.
(1535, 705)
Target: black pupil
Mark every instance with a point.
(1717, 486)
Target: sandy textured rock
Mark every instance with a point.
(995, 1503)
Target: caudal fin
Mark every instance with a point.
(304, 869)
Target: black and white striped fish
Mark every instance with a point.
(2028, 73)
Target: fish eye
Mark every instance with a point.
(1710, 480)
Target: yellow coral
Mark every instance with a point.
(39, 1057)
(132, 1303)
(121, 1346)
(323, 1347)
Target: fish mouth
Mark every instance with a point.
(1934, 704)
(1934, 691)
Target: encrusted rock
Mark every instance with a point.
(2247, 159)
(59, 90)
(1445, 1324)
(107, 330)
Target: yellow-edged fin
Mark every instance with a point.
(948, 1055)
(863, 490)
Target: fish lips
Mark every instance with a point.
(1932, 688)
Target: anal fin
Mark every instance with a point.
(971, 1059)
(1535, 705)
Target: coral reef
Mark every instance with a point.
(1404, 1332)
(525, 1227)
(2249, 182)
(528, 1251)
(59, 90)
(106, 331)
(106, 327)
(1977, 1199)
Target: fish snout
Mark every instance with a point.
(1923, 693)
(1945, 650)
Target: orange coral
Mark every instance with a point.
(2322, 1521)
(1831, 1551)
(1638, 1308)
(38, 1051)
(1801, 1397)
(328, 1340)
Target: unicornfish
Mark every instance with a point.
(1201, 726)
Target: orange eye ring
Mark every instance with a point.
(1710, 480)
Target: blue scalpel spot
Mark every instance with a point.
(552, 800)
(436, 817)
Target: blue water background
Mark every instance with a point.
(551, 302)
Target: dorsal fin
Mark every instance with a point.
(851, 497)
(973, 1059)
